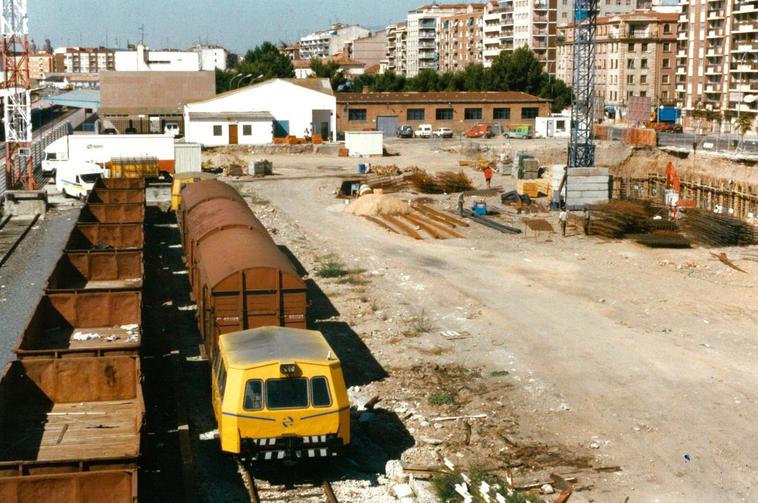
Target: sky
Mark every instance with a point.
(235, 24)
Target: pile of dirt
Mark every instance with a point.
(378, 204)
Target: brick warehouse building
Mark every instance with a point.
(457, 110)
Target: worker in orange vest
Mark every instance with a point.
(488, 175)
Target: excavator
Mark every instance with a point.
(673, 194)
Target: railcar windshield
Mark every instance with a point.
(287, 393)
(320, 392)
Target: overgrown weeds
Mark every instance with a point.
(441, 398)
(444, 487)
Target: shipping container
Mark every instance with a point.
(75, 324)
(97, 270)
(134, 167)
(80, 411)
(94, 236)
(112, 213)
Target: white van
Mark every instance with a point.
(423, 131)
(171, 128)
(76, 178)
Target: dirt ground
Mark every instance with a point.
(630, 369)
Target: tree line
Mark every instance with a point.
(519, 70)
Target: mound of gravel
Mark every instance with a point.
(378, 204)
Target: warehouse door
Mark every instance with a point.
(387, 124)
(233, 134)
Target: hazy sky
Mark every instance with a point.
(236, 24)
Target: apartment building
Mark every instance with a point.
(635, 56)
(396, 46)
(423, 29)
(717, 59)
(368, 50)
(40, 64)
(83, 60)
(491, 27)
(325, 43)
(460, 40)
(144, 59)
(565, 8)
(212, 57)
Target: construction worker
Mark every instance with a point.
(460, 204)
(488, 175)
(563, 218)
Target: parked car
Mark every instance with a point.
(131, 130)
(443, 132)
(404, 132)
(519, 131)
(109, 130)
(423, 131)
(171, 128)
(480, 131)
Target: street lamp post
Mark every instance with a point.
(231, 82)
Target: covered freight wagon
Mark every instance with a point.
(199, 192)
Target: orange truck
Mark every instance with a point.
(480, 131)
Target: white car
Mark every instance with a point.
(171, 128)
(423, 131)
(443, 132)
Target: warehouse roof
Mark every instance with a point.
(153, 92)
(80, 98)
(275, 344)
(440, 97)
(232, 115)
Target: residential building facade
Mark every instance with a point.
(396, 48)
(492, 23)
(40, 64)
(212, 57)
(83, 60)
(460, 40)
(717, 59)
(143, 59)
(325, 43)
(458, 111)
(422, 39)
(635, 56)
(368, 50)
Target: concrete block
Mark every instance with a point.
(25, 203)
(588, 172)
(575, 178)
(574, 186)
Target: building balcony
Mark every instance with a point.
(682, 36)
(715, 15)
(713, 52)
(681, 71)
(745, 8)
(715, 34)
(540, 6)
(713, 88)
(712, 70)
(745, 47)
(540, 19)
(745, 27)
(744, 68)
(426, 45)
(683, 18)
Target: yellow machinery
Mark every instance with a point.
(279, 393)
(181, 180)
(134, 167)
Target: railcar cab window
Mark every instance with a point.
(289, 393)
(320, 392)
(253, 395)
(220, 371)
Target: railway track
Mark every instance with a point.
(260, 491)
(12, 232)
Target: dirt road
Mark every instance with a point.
(642, 358)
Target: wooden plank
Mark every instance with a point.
(429, 211)
(435, 218)
(380, 223)
(438, 226)
(417, 221)
(402, 226)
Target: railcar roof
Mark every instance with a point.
(263, 345)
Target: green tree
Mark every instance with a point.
(330, 70)
(267, 62)
(745, 124)
(223, 80)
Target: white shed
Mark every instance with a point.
(555, 126)
(364, 143)
(256, 114)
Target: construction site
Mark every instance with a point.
(457, 320)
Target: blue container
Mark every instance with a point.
(362, 169)
(479, 208)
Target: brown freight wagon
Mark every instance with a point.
(113, 213)
(93, 236)
(116, 196)
(199, 192)
(120, 183)
(214, 215)
(97, 270)
(243, 280)
(76, 324)
(70, 430)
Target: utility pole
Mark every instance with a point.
(19, 168)
(142, 34)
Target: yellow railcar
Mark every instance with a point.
(279, 394)
(181, 180)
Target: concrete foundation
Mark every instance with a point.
(25, 203)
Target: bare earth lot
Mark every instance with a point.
(604, 353)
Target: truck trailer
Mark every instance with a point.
(102, 149)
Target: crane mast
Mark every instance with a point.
(581, 150)
(17, 113)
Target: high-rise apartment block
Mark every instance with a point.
(717, 59)
(325, 43)
(635, 56)
(83, 60)
(460, 40)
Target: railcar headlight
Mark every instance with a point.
(288, 368)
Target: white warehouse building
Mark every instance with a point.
(257, 114)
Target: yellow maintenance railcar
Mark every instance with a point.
(279, 394)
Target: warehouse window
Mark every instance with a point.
(415, 114)
(253, 395)
(472, 114)
(444, 114)
(218, 130)
(529, 113)
(320, 392)
(247, 130)
(290, 393)
(356, 114)
(501, 113)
